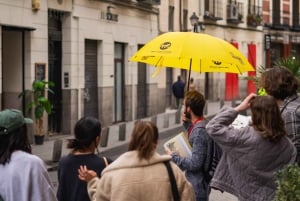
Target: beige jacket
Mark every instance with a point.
(128, 179)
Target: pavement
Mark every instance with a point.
(116, 138)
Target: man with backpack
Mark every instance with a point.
(199, 163)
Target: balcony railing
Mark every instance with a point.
(254, 17)
(213, 10)
(296, 22)
(151, 2)
(280, 22)
(235, 14)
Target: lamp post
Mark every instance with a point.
(194, 21)
(200, 27)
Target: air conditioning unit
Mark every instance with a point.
(232, 11)
(152, 2)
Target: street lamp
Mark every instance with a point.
(197, 26)
(194, 21)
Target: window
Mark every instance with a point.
(171, 18)
(185, 20)
(276, 12)
(296, 9)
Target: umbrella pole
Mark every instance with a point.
(188, 86)
(189, 77)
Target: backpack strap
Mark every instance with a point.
(105, 160)
(174, 188)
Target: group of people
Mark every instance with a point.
(250, 155)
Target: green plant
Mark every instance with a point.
(288, 184)
(240, 16)
(40, 103)
(254, 19)
(256, 78)
(292, 63)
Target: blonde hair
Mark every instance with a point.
(144, 139)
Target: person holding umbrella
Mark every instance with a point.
(194, 123)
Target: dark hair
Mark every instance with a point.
(196, 101)
(279, 82)
(86, 130)
(144, 139)
(266, 118)
(16, 140)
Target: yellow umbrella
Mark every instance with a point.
(192, 51)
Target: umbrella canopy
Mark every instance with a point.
(192, 51)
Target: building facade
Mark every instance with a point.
(84, 47)
(281, 30)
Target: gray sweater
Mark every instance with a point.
(25, 178)
(249, 162)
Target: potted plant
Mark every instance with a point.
(288, 183)
(254, 19)
(40, 104)
(240, 16)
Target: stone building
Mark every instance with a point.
(281, 30)
(84, 46)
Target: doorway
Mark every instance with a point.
(90, 79)
(12, 68)
(142, 92)
(55, 68)
(119, 87)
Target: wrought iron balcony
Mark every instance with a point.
(254, 17)
(279, 22)
(151, 2)
(296, 22)
(235, 13)
(213, 10)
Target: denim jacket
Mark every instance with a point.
(193, 166)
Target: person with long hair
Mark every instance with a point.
(87, 132)
(23, 176)
(282, 84)
(253, 154)
(138, 174)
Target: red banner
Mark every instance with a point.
(232, 82)
(252, 61)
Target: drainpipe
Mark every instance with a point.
(23, 70)
(180, 15)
